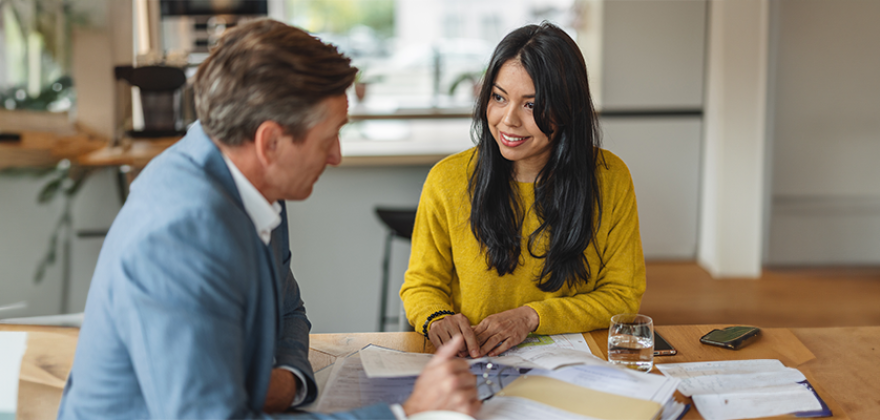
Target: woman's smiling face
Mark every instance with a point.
(512, 124)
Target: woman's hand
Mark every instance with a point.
(447, 328)
(503, 330)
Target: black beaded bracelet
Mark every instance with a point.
(431, 318)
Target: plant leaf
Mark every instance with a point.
(49, 191)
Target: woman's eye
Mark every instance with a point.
(497, 97)
(530, 105)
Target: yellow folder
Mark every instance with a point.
(580, 400)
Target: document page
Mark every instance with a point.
(381, 362)
(719, 377)
(618, 381)
(349, 387)
(12, 347)
(742, 389)
(513, 408)
(764, 402)
(559, 341)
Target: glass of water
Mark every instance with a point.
(631, 342)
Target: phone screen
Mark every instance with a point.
(662, 347)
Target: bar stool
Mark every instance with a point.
(400, 225)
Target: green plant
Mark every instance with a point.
(64, 180)
(473, 77)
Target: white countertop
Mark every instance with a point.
(403, 142)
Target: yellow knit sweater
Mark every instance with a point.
(448, 270)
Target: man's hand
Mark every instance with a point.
(282, 390)
(503, 330)
(446, 384)
(446, 329)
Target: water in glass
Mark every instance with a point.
(632, 352)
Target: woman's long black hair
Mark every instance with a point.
(566, 190)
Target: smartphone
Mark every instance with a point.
(662, 347)
(733, 338)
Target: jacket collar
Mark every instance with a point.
(202, 151)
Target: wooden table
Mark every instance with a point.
(842, 363)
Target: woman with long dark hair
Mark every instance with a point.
(536, 228)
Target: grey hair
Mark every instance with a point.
(267, 71)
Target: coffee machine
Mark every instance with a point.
(172, 38)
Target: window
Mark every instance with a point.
(35, 55)
(419, 54)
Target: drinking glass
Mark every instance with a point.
(631, 342)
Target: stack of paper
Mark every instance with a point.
(560, 377)
(744, 389)
(600, 391)
(12, 347)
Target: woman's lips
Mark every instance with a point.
(511, 140)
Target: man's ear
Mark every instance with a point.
(267, 141)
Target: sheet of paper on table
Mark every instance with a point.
(513, 408)
(741, 389)
(381, 362)
(545, 352)
(615, 380)
(348, 387)
(12, 347)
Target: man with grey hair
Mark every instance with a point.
(193, 311)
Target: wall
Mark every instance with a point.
(25, 229)
(826, 198)
(732, 194)
(337, 244)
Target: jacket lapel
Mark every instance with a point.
(204, 153)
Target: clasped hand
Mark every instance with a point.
(494, 335)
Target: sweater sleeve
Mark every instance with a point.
(427, 286)
(619, 277)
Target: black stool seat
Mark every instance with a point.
(400, 223)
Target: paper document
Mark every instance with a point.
(380, 362)
(673, 410)
(513, 408)
(545, 352)
(722, 377)
(742, 389)
(757, 403)
(616, 380)
(321, 378)
(549, 352)
(558, 341)
(726, 367)
(349, 387)
(12, 347)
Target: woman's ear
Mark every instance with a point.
(267, 141)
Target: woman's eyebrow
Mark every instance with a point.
(505, 92)
(499, 88)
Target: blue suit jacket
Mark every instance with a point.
(188, 311)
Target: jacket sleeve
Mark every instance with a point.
(618, 277)
(292, 347)
(427, 286)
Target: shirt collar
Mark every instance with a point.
(265, 216)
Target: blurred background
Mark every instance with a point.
(750, 127)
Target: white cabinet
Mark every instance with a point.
(663, 156)
(653, 54)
